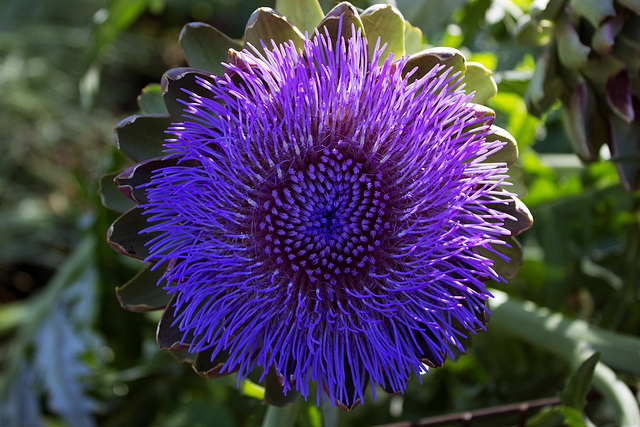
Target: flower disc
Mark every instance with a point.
(325, 215)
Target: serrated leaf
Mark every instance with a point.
(168, 334)
(575, 392)
(142, 137)
(509, 151)
(512, 250)
(110, 196)
(59, 346)
(478, 78)
(266, 26)
(386, 23)
(424, 61)
(595, 11)
(341, 22)
(412, 39)
(142, 293)
(124, 234)
(205, 47)
(304, 14)
(273, 391)
(175, 84)
(150, 100)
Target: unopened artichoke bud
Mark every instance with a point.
(318, 201)
(591, 64)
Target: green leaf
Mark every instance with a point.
(59, 347)
(143, 293)
(205, 47)
(175, 84)
(595, 11)
(273, 392)
(304, 14)
(509, 151)
(512, 250)
(124, 234)
(111, 197)
(141, 137)
(531, 32)
(387, 23)
(424, 61)
(150, 100)
(343, 13)
(575, 392)
(266, 25)
(478, 78)
(412, 39)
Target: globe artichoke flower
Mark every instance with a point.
(325, 207)
(590, 63)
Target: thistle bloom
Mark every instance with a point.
(326, 216)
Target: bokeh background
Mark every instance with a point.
(70, 70)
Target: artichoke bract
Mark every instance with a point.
(325, 206)
(591, 63)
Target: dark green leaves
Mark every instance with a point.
(176, 84)
(205, 47)
(143, 292)
(141, 137)
(124, 234)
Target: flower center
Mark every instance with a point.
(324, 218)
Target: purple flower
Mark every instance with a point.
(325, 217)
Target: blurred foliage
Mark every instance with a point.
(70, 70)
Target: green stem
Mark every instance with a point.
(573, 341)
(330, 415)
(281, 417)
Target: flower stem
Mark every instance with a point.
(281, 417)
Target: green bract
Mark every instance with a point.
(140, 137)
